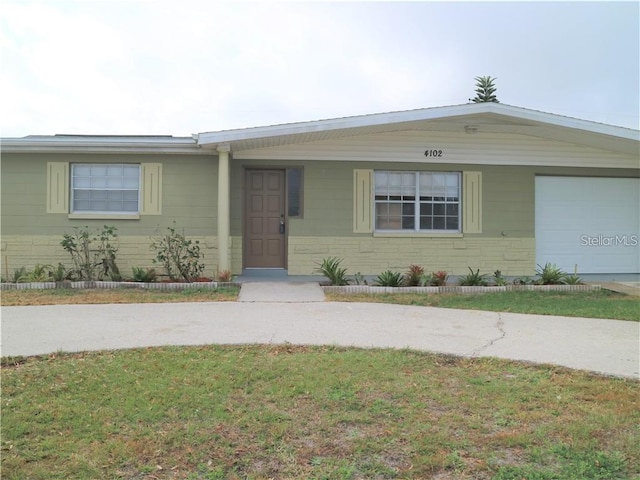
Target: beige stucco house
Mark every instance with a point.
(486, 185)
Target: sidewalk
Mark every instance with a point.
(610, 347)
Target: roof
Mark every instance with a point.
(101, 144)
(473, 117)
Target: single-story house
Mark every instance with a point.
(488, 186)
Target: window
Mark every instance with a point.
(294, 192)
(417, 201)
(105, 188)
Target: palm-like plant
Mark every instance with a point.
(485, 90)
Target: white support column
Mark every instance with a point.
(224, 212)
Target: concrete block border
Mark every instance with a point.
(368, 289)
(112, 285)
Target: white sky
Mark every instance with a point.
(183, 67)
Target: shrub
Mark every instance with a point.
(572, 280)
(225, 276)
(523, 281)
(330, 268)
(550, 274)
(148, 275)
(473, 279)
(19, 275)
(94, 256)
(498, 279)
(358, 279)
(40, 273)
(439, 278)
(61, 274)
(390, 279)
(413, 276)
(181, 258)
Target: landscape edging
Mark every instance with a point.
(369, 289)
(112, 285)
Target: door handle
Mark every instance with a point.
(282, 223)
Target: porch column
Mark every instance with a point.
(224, 213)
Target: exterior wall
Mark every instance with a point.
(189, 182)
(30, 235)
(371, 256)
(507, 241)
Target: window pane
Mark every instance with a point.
(98, 182)
(130, 182)
(98, 170)
(81, 182)
(81, 170)
(98, 194)
(438, 223)
(452, 223)
(114, 170)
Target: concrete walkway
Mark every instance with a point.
(287, 292)
(606, 346)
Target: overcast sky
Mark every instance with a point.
(181, 67)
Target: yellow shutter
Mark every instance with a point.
(362, 184)
(57, 187)
(472, 202)
(151, 189)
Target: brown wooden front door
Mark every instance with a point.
(264, 238)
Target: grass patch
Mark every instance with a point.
(593, 304)
(221, 412)
(116, 295)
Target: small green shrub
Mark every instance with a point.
(19, 275)
(498, 279)
(330, 268)
(523, 281)
(550, 274)
(572, 280)
(473, 279)
(358, 279)
(40, 273)
(181, 258)
(390, 279)
(144, 275)
(61, 274)
(413, 276)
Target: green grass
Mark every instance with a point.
(593, 304)
(311, 413)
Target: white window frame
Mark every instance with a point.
(73, 188)
(416, 202)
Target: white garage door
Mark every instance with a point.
(591, 223)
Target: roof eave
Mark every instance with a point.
(97, 144)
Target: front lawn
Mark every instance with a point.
(260, 412)
(66, 296)
(592, 304)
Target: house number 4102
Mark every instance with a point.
(433, 153)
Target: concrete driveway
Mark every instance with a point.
(610, 347)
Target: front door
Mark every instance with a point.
(264, 232)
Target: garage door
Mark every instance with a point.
(591, 224)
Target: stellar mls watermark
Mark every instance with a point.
(609, 241)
